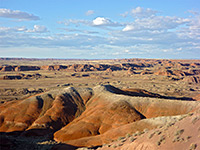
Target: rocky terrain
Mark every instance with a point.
(121, 104)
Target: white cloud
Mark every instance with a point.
(76, 22)
(151, 35)
(127, 51)
(125, 14)
(128, 28)
(101, 21)
(89, 12)
(156, 23)
(97, 22)
(142, 12)
(13, 29)
(38, 29)
(17, 14)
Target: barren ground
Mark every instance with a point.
(179, 85)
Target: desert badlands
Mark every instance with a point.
(123, 104)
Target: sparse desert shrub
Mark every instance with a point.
(188, 137)
(162, 138)
(134, 134)
(182, 117)
(179, 132)
(114, 146)
(151, 135)
(138, 133)
(195, 119)
(109, 145)
(119, 144)
(121, 138)
(190, 114)
(178, 139)
(128, 135)
(146, 130)
(132, 139)
(193, 146)
(170, 124)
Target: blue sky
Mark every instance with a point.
(100, 29)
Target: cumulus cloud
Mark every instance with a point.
(89, 12)
(13, 29)
(38, 29)
(102, 21)
(97, 22)
(140, 12)
(76, 22)
(17, 14)
(156, 23)
(150, 35)
(125, 14)
(128, 28)
(143, 12)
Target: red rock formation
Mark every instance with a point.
(20, 76)
(27, 68)
(11, 77)
(42, 113)
(109, 70)
(193, 72)
(197, 97)
(89, 117)
(164, 72)
(8, 68)
(130, 71)
(179, 73)
(146, 72)
(192, 79)
(107, 111)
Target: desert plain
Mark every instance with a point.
(128, 104)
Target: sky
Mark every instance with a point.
(100, 29)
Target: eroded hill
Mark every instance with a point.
(85, 117)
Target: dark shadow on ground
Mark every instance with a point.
(143, 93)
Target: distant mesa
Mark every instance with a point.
(73, 68)
(131, 66)
(22, 76)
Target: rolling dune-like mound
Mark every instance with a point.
(110, 113)
(183, 133)
(42, 113)
(85, 117)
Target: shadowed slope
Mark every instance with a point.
(48, 112)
